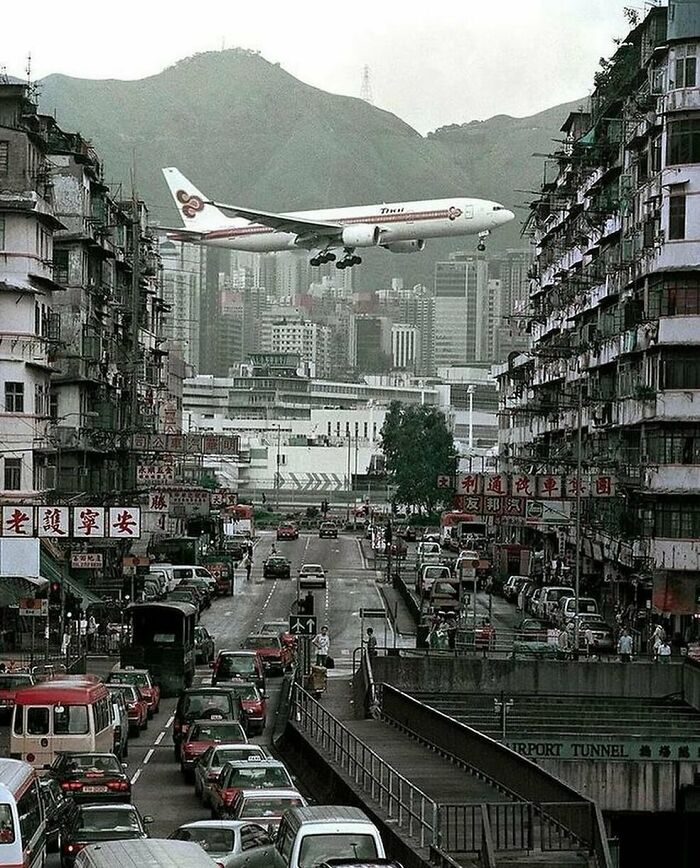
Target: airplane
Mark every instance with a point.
(399, 227)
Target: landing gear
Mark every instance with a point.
(349, 259)
(323, 256)
(481, 246)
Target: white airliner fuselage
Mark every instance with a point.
(401, 227)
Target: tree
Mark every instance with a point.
(418, 447)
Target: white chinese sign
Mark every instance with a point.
(18, 521)
(124, 522)
(54, 521)
(89, 521)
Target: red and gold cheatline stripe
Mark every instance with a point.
(403, 217)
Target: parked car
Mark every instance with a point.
(567, 609)
(203, 645)
(312, 576)
(253, 702)
(136, 706)
(328, 530)
(197, 703)
(603, 636)
(274, 655)
(444, 596)
(246, 774)
(201, 585)
(532, 602)
(202, 734)
(428, 574)
(91, 777)
(428, 553)
(530, 629)
(140, 678)
(209, 765)
(119, 715)
(277, 567)
(549, 600)
(223, 839)
(59, 811)
(287, 530)
(265, 807)
(94, 823)
(245, 665)
(512, 585)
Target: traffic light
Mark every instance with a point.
(324, 506)
(55, 594)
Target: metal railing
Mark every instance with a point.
(397, 796)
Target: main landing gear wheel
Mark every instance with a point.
(348, 262)
(319, 259)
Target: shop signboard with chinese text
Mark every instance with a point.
(86, 560)
(123, 522)
(32, 608)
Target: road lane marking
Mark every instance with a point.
(136, 776)
(362, 555)
(159, 739)
(148, 756)
(170, 722)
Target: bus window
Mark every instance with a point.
(70, 720)
(29, 810)
(7, 827)
(37, 721)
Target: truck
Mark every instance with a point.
(310, 835)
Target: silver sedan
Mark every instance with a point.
(209, 765)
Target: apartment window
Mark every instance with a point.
(60, 266)
(677, 520)
(4, 158)
(675, 296)
(13, 474)
(680, 372)
(14, 397)
(683, 142)
(676, 217)
(674, 446)
(685, 67)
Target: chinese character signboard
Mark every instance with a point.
(575, 486)
(33, 608)
(53, 521)
(89, 521)
(189, 502)
(18, 521)
(155, 472)
(549, 487)
(523, 485)
(86, 560)
(495, 484)
(124, 522)
(158, 501)
(602, 485)
(444, 482)
(469, 483)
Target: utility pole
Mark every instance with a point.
(577, 572)
(277, 472)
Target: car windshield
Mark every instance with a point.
(12, 682)
(312, 568)
(258, 778)
(244, 691)
(138, 678)
(109, 820)
(215, 732)
(274, 627)
(268, 807)
(129, 691)
(203, 704)
(277, 562)
(212, 840)
(318, 848)
(261, 642)
(224, 755)
(230, 664)
(90, 762)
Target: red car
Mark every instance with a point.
(254, 705)
(140, 678)
(10, 683)
(245, 774)
(274, 655)
(202, 734)
(136, 706)
(287, 530)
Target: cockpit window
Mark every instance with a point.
(498, 207)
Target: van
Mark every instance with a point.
(428, 574)
(549, 601)
(512, 586)
(444, 596)
(567, 608)
(135, 853)
(22, 819)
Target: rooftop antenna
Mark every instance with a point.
(4, 78)
(366, 89)
(28, 68)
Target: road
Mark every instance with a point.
(158, 787)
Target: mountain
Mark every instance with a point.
(246, 131)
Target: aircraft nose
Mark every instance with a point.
(502, 216)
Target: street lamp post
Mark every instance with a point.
(470, 391)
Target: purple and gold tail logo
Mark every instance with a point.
(191, 205)
(453, 213)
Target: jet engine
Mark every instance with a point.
(361, 235)
(405, 246)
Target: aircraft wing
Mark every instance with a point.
(284, 222)
(179, 233)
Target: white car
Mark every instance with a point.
(223, 839)
(312, 576)
(208, 767)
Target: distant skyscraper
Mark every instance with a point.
(405, 346)
(183, 271)
(461, 310)
(217, 266)
(511, 267)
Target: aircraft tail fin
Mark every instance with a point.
(192, 205)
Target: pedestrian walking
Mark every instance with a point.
(664, 652)
(91, 633)
(371, 643)
(563, 644)
(248, 566)
(588, 640)
(322, 644)
(624, 647)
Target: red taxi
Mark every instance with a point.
(287, 530)
(202, 734)
(136, 706)
(253, 703)
(274, 655)
(140, 678)
(245, 774)
(10, 683)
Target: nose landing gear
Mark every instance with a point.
(481, 246)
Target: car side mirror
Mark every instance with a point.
(148, 820)
(211, 664)
(125, 765)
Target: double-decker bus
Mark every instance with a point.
(160, 638)
(62, 714)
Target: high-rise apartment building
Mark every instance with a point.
(461, 310)
(183, 275)
(309, 340)
(615, 307)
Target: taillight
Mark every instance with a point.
(118, 785)
(71, 785)
(212, 776)
(73, 848)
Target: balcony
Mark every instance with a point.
(685, 99)
(673, 478)
(683, 330)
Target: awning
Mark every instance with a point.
(16, 588)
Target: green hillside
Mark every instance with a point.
(246, 131)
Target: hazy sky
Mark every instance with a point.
(432, 63)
